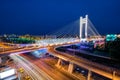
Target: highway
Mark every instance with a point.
(82, 62)
(34, 72)
(20, 50)
(47, 64)
(38, 69)
(27, 48)
(4, 46)
(94, 67)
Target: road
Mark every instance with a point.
(39, 69)
(4, 46)
(25, 48)
(34, 72)
(20, 50)
(94, 67)
(48, 66)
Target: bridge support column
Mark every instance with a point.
(71, 67)
(59, 63)
(89, 75)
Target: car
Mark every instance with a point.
(27, 77)
(21, 70)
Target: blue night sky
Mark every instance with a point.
(43, 16)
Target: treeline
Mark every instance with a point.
(19, 40)
(113, 47)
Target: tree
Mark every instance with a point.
(114, 49)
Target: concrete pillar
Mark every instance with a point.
(59, 62)
(89, 75)
(71, 67)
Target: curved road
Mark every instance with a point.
(94, 67)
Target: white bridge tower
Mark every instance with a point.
(83, 23)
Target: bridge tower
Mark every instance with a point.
(83, 24)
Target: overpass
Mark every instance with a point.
(90, 66)
(41, 44)
(21, 50)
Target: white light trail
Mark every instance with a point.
(35, 72)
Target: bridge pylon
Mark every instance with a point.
(83, 24)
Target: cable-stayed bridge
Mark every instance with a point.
(79, 30)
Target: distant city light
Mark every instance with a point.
(111, 37)
(118, 35)
(39, 53)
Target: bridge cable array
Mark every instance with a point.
(73, 30)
